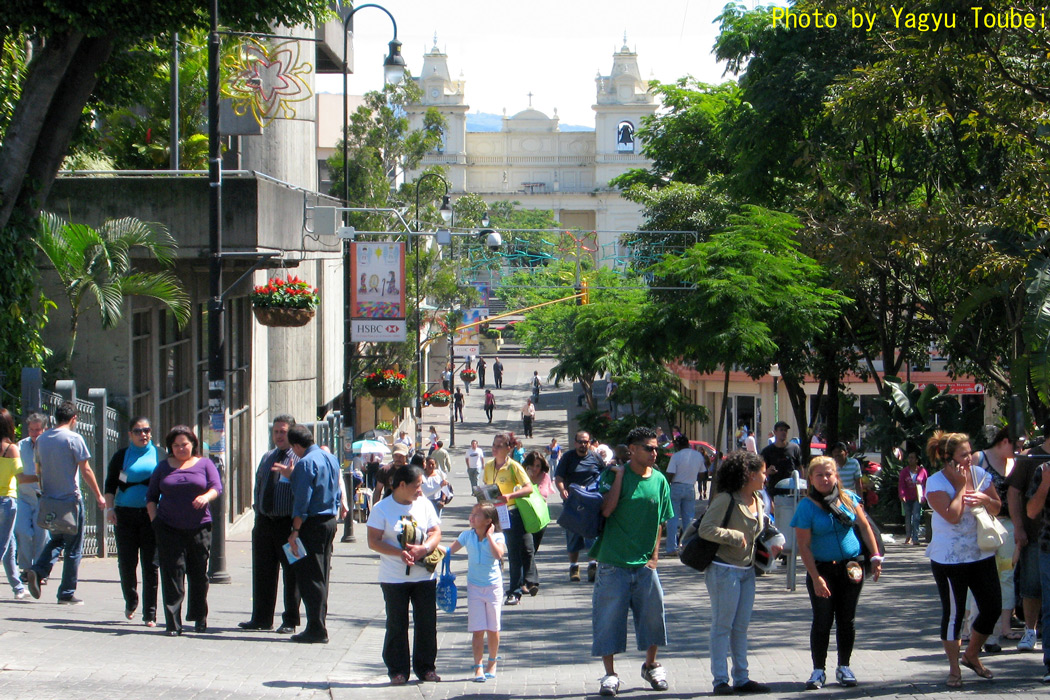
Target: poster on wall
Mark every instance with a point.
(468, 340)
(377, 297)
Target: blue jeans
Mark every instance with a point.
(683, 500)
(912, 519)
(617, 590)
(30, 537)
(1044, 578)
(8, 508)
(72, 546)
(732, 594)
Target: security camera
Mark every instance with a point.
(493, 241)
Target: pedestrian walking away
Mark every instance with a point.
(683, 472)
(636, 503)
(490, 404)
(830, 551)
(127, 480)
(318, 501)
(404, 529)
(497, 373)
(273, 523)
(482, 366)
(485, 547)
(458, 403)
(180, 491)
(730, 579)
(535, 383)
(958, 563)
(62, 456)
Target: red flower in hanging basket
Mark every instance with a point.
(468, 375)
(386, 381)
(290, 293)
(438, 397)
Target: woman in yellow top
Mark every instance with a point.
(513, 483)
(10, 470)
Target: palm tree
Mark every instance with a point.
(95, 265)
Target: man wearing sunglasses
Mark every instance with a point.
(579, 466)
(637, 502)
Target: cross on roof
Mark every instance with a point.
(530, 98)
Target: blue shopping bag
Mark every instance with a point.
(447, 594)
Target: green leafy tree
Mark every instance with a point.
(95, 267)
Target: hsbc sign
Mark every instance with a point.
(379, 330)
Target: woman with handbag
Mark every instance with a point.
(829, 525)
(734, 519)
(127, 480)
(538, 469)
(961, 494)
(513, 484)
(177, 501)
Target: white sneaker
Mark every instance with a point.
(610, 685)
(845, 677)
(1027, 642)
(817, 679)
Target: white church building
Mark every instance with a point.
(530, 160)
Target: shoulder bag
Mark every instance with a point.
(447, 593)
(581, 513)
(990, 532)
(534, 512)
(58, 517)
(698, 553)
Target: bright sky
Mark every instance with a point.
(507, 48)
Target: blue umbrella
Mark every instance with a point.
(370, 447)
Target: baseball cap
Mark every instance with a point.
(400, 449)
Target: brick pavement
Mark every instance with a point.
(51, 651)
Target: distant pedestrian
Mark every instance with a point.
(781, 457)
(528, 415)
(554, 451)
(127, 480)
(610, 396)
(458, 404)
(497, 373)
(442, 458)
(404, 529)
(682, 471)
(485, 547)
(432, 440)
(29, 536)
(446, 379)
(490, 404)
(10, 471)
(536, 383)
(911, 489)
(434, 483)
(482, 366)
(475, 463)
(848, 469)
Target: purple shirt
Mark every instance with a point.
(173, 490)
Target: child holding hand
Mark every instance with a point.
(485, 547)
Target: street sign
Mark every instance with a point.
(380, 330)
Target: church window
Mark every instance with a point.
(625, 137)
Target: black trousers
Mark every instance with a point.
(520, 553)
(527, 424)
(269, 535)
(481, 377)
(183, 558)
(423, 597)
(840, 609)
(137, 542)
(981, 577)
(498, 376)
(488, 412)
(312, 571)
(533, 574)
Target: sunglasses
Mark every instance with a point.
(582, 442)
(648, 448)
(142, 431)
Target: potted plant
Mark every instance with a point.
(468, 375)
(385, 383)
(438, 397)
(288, 303)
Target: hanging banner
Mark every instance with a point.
(377, 297)
(468, 340)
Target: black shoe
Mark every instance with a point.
(71, 600)
(173, 633)
(254, 627)
(533, 589)
(511, 599)
(200, 626)
(751, 687)
(33, 581)
(724, 689)
(286, 629)
(992, 648)
(304, 638)
(592, 572)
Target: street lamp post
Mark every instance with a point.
(774, 371)
(394, 72)
(446, 216)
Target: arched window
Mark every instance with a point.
(625, 137)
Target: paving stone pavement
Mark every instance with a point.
(51, 651)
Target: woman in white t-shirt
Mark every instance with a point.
(405, 529)
(958, 563)
(682, 471)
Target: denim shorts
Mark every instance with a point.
(617, 590)
(1027, 572)
(575, 543)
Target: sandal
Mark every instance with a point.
(1013, 635)
(490, 672)
(398, 679)
(954, 681)
(479, 674)
(977, 668)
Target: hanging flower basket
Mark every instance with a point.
(386, 383)
(277, 317)
(468, 375)
(439, 398)
(287, 303)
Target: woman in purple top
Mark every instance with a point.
(180, 490)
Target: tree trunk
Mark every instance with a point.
(722, 418)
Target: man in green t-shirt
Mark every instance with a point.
(637, 502)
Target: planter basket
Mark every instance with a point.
(468, 378)
(386, 392)
(439, 401)
(281, 317)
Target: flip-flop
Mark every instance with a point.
(979, 670)
(1014, 635)
(954, 681)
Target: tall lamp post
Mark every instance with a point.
(394, 72)
(446, 216)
